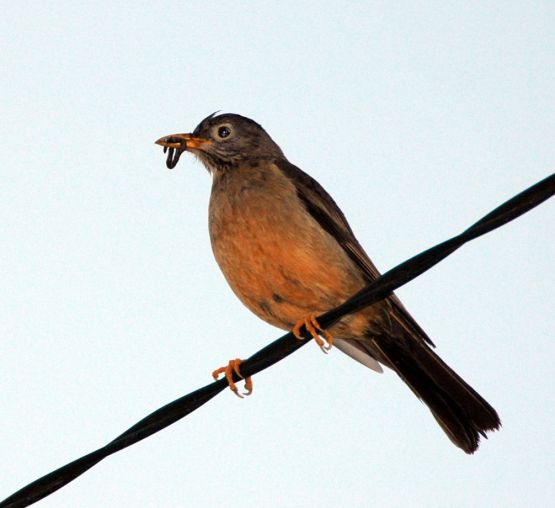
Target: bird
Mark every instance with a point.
(288, 253)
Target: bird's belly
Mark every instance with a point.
(280, 262)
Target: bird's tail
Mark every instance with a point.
(460, 411)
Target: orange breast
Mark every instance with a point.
(274, 255)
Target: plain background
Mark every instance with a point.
(418, 117)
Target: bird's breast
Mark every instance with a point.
(275, 256)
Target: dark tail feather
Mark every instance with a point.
(461, 412)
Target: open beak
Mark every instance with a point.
(178, 143)
(182, 141)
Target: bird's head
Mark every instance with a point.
(222, 142)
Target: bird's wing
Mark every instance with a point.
(325, 211)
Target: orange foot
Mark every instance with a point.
(315, 330)
(233, 366)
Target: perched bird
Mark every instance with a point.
(289, 254)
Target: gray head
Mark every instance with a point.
(223, 142)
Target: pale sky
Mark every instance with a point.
(418, 117)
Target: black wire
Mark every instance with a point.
(285, 345)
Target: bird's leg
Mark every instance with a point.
(315, 330)
(228, 370)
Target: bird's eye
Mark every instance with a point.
(224, 131)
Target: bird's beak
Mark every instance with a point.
(178, 143)
(183, 142)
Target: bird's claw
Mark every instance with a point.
(228, 370)
(316, 331)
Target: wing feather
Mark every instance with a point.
(330, 217)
